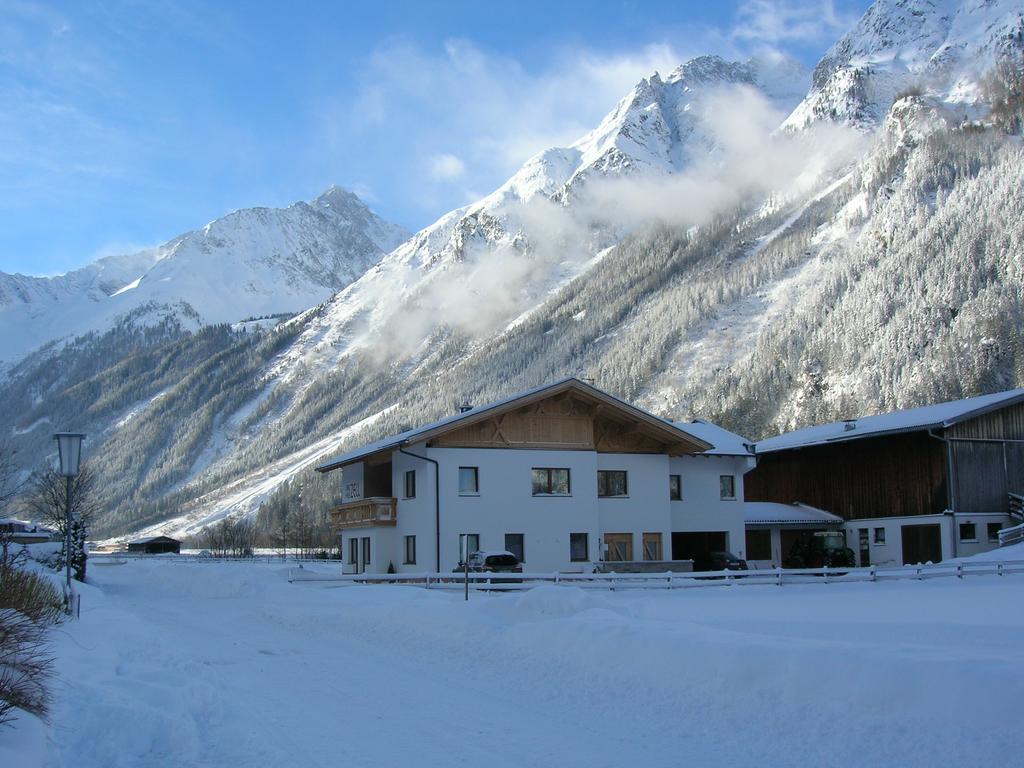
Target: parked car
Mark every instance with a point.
(718, 561)
(491, 562)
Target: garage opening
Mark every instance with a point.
(922, 543)
(693, 545)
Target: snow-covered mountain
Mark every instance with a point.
(939, 48)
(251, 263)
(483, 265)
(834, 285)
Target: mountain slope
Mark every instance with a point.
(481, 266)
(939, 48)
(252, 262)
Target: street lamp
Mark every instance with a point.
(69, 446)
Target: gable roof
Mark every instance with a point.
(935, 416)
(428, 431)
(723, 442)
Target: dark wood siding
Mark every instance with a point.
(980, 476)
(1004, 424)
(988, 462)
(902, 474)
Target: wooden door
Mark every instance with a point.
(620, 547)
(921, 543)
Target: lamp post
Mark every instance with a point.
(69, 446)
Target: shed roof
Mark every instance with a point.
(912, 420)
(767, 512)
(428, 431)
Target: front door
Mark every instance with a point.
(922, 544)
(865, 547)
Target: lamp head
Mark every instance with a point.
(69, 446)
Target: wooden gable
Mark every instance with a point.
(565, 421)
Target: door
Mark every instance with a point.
(620, 547)
(922, 543)
(864, 546)
(365, 560)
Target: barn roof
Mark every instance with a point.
(428, 431)
(770, 512)
(913, 420)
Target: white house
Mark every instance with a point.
(564, 475)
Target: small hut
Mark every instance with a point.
(156, 545)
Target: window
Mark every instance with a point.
(469, 481)
(968, 532)
(410, 484)
(611, 482)
(550, 482)
(675, 487)
(652, 546)
(410, 550)
(353, 551)
(620, 547)
(472, 542)
(366, 550)
(579, 551)
(727, 486)
(993, 531)
(514, 544)
(879, 535)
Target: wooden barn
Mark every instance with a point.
(913, 486)
(156, 545)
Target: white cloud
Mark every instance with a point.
(494, 108)
(781, 21)
(445, 167)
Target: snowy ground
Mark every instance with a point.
(227, 664)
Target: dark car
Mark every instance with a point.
(718, 561)
(491, 562)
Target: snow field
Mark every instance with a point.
(224, 664)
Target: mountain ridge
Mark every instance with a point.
(252, 261)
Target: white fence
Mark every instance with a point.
(668, 580)
(1014, 535)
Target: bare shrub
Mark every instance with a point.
(30, 594)
(25, 666)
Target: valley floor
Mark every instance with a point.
(227, 664)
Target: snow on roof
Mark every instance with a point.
(153, 538)
(912, 420)
(725, 443)
(786, 514)
(412, 435)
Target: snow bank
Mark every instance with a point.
(227, 664)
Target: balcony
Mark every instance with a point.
(376, 510)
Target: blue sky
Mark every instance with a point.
(125, 123)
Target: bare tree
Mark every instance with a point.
(46, 502)
(9, 489)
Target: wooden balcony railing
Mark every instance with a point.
(376, 510)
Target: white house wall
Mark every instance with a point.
(702, 508)
(645, 508)
(891, 552)
(505, 504)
